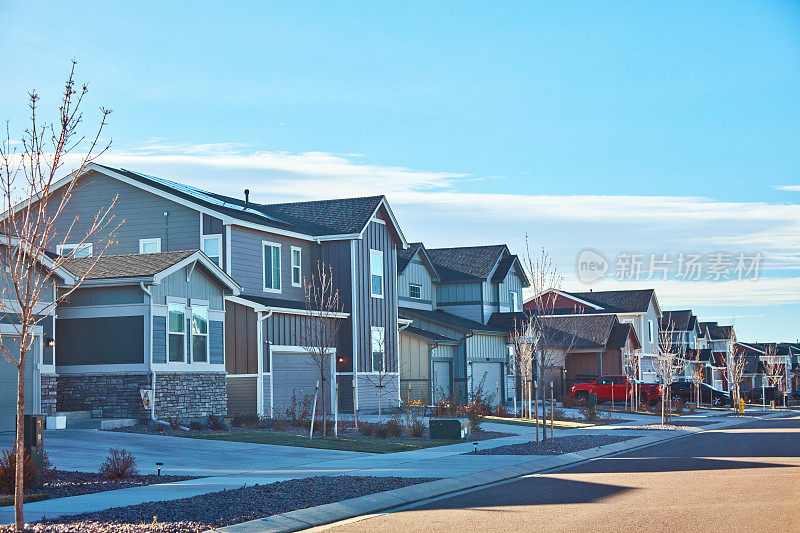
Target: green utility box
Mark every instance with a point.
(33, 428)
(449, 428)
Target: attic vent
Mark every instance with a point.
(246, 198)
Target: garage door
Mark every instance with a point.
(489, 374)
(8, 385)
(294, 373)
(441, 380)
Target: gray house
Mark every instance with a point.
(270, 250)
(450, 295)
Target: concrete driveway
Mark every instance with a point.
(85, 450)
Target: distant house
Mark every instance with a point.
(720, 340)
(640, 308)
(680, 333)
(450, 295)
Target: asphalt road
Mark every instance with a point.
(744, 478)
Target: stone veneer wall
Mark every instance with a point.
(178, 394)
(49, 394)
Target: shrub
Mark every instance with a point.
(417, 429)
(366, 429)
(119, 464)
(394, 428)
(381, 431)
(678, 407)
(175, 422)
(215, 423)
(280, 424)
(569, 403)
(558, 414)
(196, 426)
(160, 428)
(8, 465)
(589, 413)
(238, 420)
(501, 411)
(48, 470)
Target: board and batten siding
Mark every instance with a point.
(200, 286)
(512, 283)
(247, 262)
(241, 341)
(141, 211)
(338, 256)
(462, 299)
(482, 347)
(100, 341)
(214, 226)
(372, 311)
(416, 273)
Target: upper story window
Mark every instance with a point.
(176, 335)
(376, 273)
(272, 266)
(78, 250)
(297, 264)
(212, 247)
(199, 333)
(650, 330)
(415, 291)
(378, 338)
(149, 246)
(515, 301)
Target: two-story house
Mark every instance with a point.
(681, 334)
(639, 308)
(271, 251)
(450, 294)
(721, 341)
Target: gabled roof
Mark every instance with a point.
(509, 322)
(504, 267)
(151, 267)
(341, 216)
(429, 335)
(449, 320)
(702, 354)
(467, 263)
(677, 320)
(717, 332)
(578, 331)
(625, 301)
(404, 258)
(620, 333)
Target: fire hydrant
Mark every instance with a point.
(741, 405)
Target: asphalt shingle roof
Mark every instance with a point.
(466, 263)
(619, 335)
(404, 257)
(502, 269)
(577, 331)
(717, 332)
(448, 320)
(676, 320)
(125, 265)
(430, 335)
(508, 322)
(630, 301)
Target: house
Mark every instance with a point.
(680, 333)
(640, 308)
(271, 251)
(720, 340)
(40, 371)
(450, 295)
(579, 347)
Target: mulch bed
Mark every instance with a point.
(224, 508)
(556, 446)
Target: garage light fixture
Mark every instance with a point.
(50, 341)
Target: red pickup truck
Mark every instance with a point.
(616, 387)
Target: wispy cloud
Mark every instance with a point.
(793, 188)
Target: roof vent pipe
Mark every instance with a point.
(246, 198)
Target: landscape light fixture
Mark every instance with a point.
(159, 465)
(475, 444)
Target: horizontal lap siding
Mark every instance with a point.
(105, 296)
(100, 341)
(242, 396)
(159, 339)
(216, 340)
(481, 347)
(415, 273)
(141, 211)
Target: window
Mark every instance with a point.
(149, 246)
(514, 301)
(415, 291)
(272, 267)
(650, 330)
(212, 247)
(376, 273)
(177, 333)
(80, 250)
(199, 333)
(378, 346)
(297, 258)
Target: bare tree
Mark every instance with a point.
(630, 367)
(735, 364)
(33, 206)
(774, 369)
(696, 374)
(320, 329)
(523, 348)
(669, 364)
(382, 374)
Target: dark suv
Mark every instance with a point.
(684, 391)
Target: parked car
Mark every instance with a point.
(684, 391)
(610, 387)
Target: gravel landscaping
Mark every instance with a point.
(674, 425)
(224, 508)
(556, 446)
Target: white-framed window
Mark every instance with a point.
(272, 266)
(297, 266)
(212, 247)
(650, 330)
(199, 333)
(176, 333)
(149, 246)
(376, 273)
(81, 250)
(415, 291)
(378, 348)
(514, 301)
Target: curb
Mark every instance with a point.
(321, 515)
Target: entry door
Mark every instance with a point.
(489, 374)
(8, 383)
(441, 380)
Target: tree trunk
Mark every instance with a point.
(324, 412)
(19, 522)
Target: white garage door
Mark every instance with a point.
(441, 380)
(8, 384)
(489, 374)
(295, 373)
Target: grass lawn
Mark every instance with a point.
(352, 444)
(8, 499)
(559, 424)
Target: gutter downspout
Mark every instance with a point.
(150, 329)
(260, 317)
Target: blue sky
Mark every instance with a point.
(621, 127)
